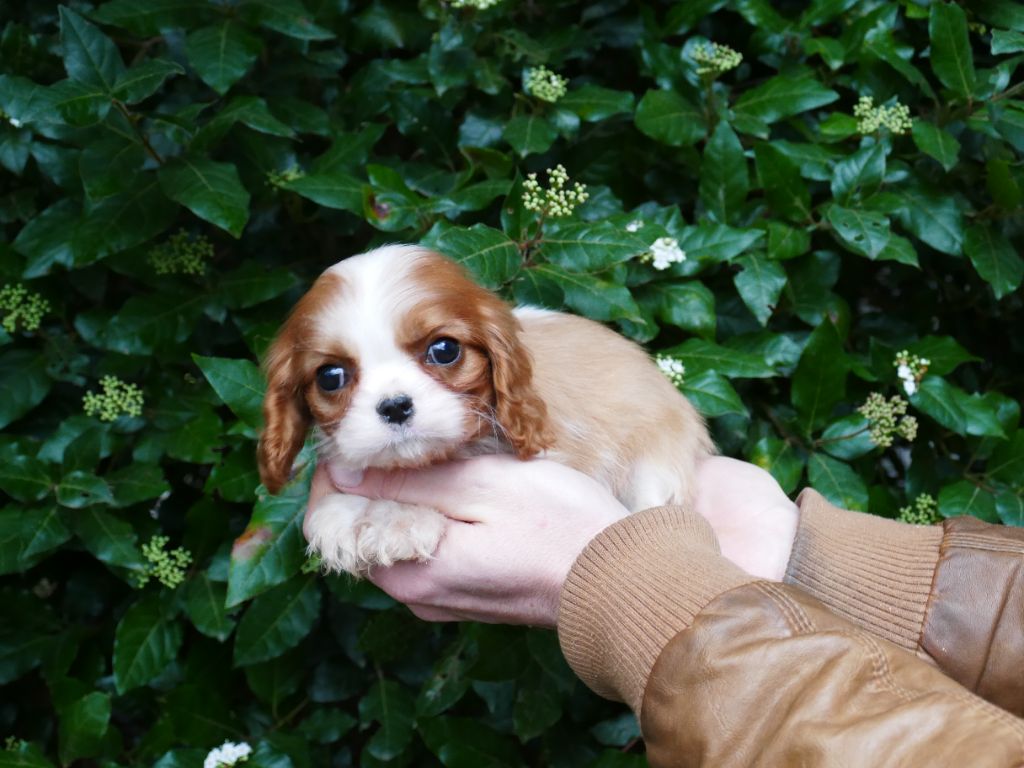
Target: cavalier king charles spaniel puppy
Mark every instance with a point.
(400, 360)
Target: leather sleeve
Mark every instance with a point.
(767, 676)
(974, 622)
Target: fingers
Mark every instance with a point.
(451, 488)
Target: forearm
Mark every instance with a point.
(954, 593)
(726, 671)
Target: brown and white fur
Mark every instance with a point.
(529, 381)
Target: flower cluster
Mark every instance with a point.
(887, 419)
(118, 398)
(13, 744)
(181, 255)
(672, 368)
(557, 200)
(545, 84)
(280, 178)
(715, 58)
(664, 252)
(22, 306)
(166, 566)
(227, 753)
(924, 511)
(870, 118)
(910, 369)
(480, 5)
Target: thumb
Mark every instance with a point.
(438, 486)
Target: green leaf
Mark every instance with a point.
(222, 53)
(447, 684)
(392, 706)
(716, 242)
(23, 477)
(781, 459)
(954, 409)
(995, 258)
(591, 247)
(860, 174)
(700, 356)
(530, 134)
(271, 549)
(82, 489)
(151, 17)
(44, 242)
(83, 724)
(26, 535)
(468, 743)
(670, 119)
(936, 219)
(147, 639)
(944, 353)
(1006, 41)
(760, 284)
(90, 57)
(108, 538)
(204, 602)
(784, 189)
(24, 755)
(688, 305)
(212, 191)
(723, 175)
(107, 164)
(144, 79)
(819, 381)
(490, 256)
(837, 482)
(847, 438)
(332, 189)
(966, 498)
(24, 382)
(591, 296)
(712, 394)
(289, 17)
(937, 143)
(1010, 508)
(253, 284)
(594, 103)
(784, 96)
(238, 383)
(135, 483)
(951, 49)
(277, 621)
(863, 232)
(123, 221)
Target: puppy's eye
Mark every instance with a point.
(330, 377)
(444, 351)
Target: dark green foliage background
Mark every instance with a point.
(292, 135)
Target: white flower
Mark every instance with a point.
(665, 252)
(15, 122)
(634, 225)
(672, 368)
(910, 369)
(227, 753)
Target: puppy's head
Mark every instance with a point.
(400, 360)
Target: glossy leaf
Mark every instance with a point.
(146, 641)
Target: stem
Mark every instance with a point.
(825, 440)
(132, 118)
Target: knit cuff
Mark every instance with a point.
(875, 572)
(635, 586)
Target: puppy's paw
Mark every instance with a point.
(352, 534)
(391, 532)
(332, 531)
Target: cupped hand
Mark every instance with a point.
(515, 528)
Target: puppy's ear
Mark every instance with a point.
(286, 418)
(517, 406)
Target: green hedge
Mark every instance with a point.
(845, 179)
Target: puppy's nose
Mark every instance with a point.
(395, 410)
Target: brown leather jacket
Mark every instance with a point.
(724, 670)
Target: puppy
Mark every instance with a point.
(400, 360)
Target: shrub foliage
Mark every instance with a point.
(844, 179)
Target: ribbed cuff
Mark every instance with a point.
(875, 572)
(636, 585)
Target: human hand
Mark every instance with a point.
(514, 530)
(754, 520)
